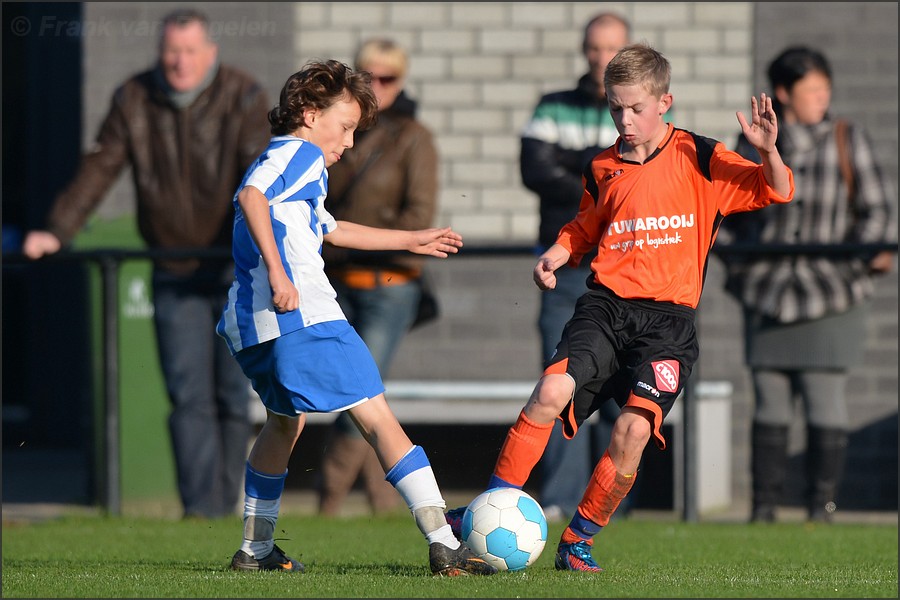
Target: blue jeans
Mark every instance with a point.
(381, 316)
(210, 397)
(566, 465)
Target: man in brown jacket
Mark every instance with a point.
(189, 128)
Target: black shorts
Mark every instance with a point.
(638, 352)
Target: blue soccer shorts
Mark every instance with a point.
(325, 367)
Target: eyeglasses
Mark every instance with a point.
(385, 79)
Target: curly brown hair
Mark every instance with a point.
(320, 84)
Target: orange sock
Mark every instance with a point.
(522, 449)
(605, 491)
(570, 537)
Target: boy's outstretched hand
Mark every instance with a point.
(762, 130)
(436, 242)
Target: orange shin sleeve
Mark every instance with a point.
(605, 491)
(522, 449)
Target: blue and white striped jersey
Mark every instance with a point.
(291, 174)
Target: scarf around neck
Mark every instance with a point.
(182, 100)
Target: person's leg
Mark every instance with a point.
(382, 496)
(610, 483)
(601, 436)
(584, 352)
(827, 423)
(381, 316)
(384, 317)
(769, 441)
(187, 357)
(266, 471)
(527, 438)
(409, 471)
(565, 466)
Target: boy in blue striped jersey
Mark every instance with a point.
(286, 329)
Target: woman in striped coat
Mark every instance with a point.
(804, 311)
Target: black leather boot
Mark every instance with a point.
(826, 454)
(769, 469)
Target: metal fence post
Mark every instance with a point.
(689, 453)
(112, 485)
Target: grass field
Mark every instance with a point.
(355, 557)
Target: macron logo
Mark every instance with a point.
(666, 375)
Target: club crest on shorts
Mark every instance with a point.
(666, 375)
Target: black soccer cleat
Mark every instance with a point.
(455, 563)
(276, 560)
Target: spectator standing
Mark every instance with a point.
(188, 128)
(568, 128)
(804, 314)
(389, 179)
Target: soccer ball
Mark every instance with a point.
(506, 527)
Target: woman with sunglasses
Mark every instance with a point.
(388, 179)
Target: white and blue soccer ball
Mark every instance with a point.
(506, 527)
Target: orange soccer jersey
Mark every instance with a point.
(655, 223)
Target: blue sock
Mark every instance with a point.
(584, 528)
(262, 503)
(495, 482)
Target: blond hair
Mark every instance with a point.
(382, 50)
(639, 64)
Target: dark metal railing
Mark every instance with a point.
(109, 261)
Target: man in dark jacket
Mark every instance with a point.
(189, 128)
(568, 128)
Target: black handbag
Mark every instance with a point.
(429, 308)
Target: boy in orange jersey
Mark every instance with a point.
(652, 205)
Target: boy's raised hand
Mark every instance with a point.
(762, 130)
(436, 241)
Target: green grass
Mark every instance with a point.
(125, 557)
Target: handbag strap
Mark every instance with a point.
(841, 136)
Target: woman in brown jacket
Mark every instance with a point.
(388, 179)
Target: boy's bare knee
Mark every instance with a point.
(551, 394)
(284, 425)
(634, 426)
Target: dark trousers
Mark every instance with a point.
(209, 394)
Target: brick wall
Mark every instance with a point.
(477, 70)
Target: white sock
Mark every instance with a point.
(260, 517)
(445, 536)
(414, 479)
